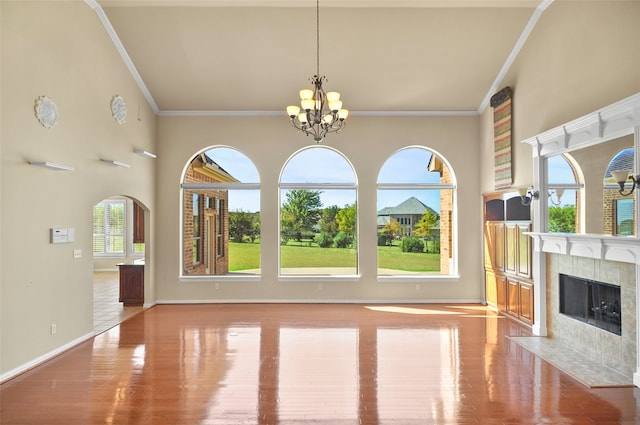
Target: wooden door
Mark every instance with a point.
(499, 246)
(491, 287)
(511, 247)
(524, 250)
(513, 297)
(526, 302)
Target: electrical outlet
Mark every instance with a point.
(54, 329)
(320, 287)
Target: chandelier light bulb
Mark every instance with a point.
(293, 110)
(333, 96)
(343, 114)
(306, 94)
(308, 104)
(335, 105)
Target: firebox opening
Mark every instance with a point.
(595, 303)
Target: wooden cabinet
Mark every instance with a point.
(513, 297)
(494, 240)
(496, 290)
(520, 300)
(138, 223)
(526, 302)
(131, 284)
(501, 291)
(523, 266)
(507, 251)
(491, 288)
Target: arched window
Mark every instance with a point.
(619, 210)
(415, 217)
(564, 194)
(221, 214)
(318, 214)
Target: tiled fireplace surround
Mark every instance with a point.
(617, 352)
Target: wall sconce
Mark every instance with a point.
(116, 163)
(621, 176)
(145, 153)
(526, 195)
(559, 193)
(51, 165)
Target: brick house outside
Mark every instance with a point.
(409, 212)
(206, 219)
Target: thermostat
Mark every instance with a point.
(62, 235)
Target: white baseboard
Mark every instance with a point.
(318, 301)
(48, 356)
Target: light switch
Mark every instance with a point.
(77, 253)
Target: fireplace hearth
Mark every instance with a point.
(595, 303)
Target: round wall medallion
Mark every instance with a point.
(118, 109)
(46, 111)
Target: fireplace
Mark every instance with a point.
(592, 302)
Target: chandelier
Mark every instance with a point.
(320, 112)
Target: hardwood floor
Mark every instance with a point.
(309, 364)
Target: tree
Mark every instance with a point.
(562, 219)
(346, 219)
(328, 223)
(391, 230)
(256, 228)
(243, 224)
(300, 213)
(426, 224)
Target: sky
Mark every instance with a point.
(559, 171)
(324, 165)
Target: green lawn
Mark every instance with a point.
(243, 256)
(391, 257)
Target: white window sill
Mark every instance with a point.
(318, 278)
(418, 278)
(220, 278)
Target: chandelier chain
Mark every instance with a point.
(318, 38)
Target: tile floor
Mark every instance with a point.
(107, 310)
(582, 368)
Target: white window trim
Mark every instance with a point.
(125, 237)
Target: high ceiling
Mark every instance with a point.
(389, 56)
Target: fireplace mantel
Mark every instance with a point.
(602, 247)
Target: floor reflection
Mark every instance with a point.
(316, 364)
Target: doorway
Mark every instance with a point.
(118, 237)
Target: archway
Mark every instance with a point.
(120, 237)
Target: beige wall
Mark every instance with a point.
(367, 142)
(581, 56)
(60, 50)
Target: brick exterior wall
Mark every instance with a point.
(207, 213)
(609, 214)
(446, 217)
